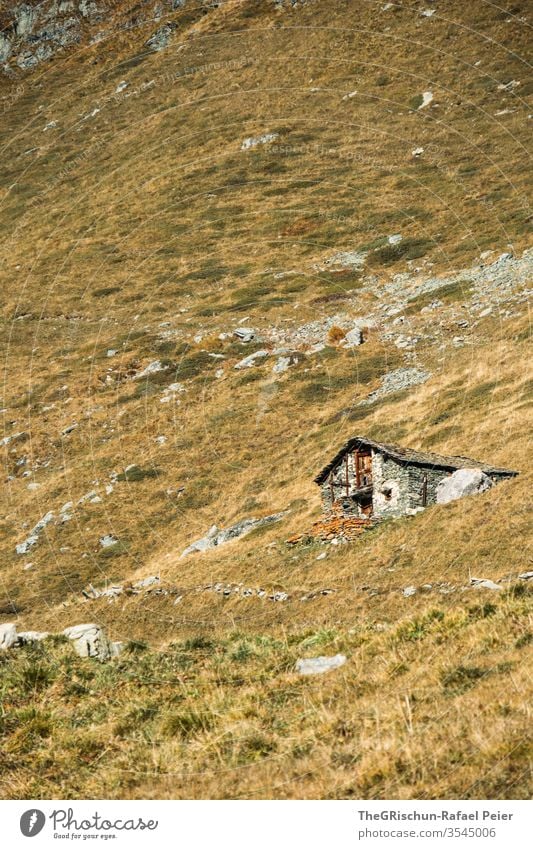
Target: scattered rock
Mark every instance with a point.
(348, 259)
(254, 141)
(397, 380)
(319, 665)
(460, 483)
(395, 239)
(33, 537)
(427, 97)
(409, 591)
(526, 576)
(418, 151)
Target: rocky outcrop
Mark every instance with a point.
(396, 381)
(216, 536)
(460, 483)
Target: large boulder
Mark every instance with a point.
(90, 641)
(460, 483)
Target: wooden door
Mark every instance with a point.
(363, 468)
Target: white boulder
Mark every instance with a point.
(8, 635)
(460, 483)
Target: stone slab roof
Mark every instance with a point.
(409, 457)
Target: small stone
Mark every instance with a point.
(244, 334)
(108, 540)
(418, 151)
(409, 591)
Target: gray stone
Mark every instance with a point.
(90, 641)
(8, 635)
(484, 583)
(409, 591)
(526, 576)
(460, 483)
(319, 665)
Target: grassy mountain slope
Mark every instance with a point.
(135, 223)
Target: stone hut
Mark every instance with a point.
(372, 479)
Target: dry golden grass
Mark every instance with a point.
(150, 213)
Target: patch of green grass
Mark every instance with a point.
(459, 291)
(459, 679)
(116, 550)
(408, 249)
